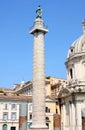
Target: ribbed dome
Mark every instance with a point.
(78, 45)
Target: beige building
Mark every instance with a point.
(22, 93)
(11, 106)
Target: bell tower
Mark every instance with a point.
(38, 30)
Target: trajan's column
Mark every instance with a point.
(38, 30)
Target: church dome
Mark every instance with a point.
(78, 46)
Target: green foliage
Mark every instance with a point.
(1, 91)
(73, 93)
(79, 89)
(48, 77)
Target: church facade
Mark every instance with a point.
(73, 96)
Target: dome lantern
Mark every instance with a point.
(83, 23)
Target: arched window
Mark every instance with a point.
(4, 127)
(47, 118)
(29, 125)
(71, 73)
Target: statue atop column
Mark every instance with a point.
(39, 11)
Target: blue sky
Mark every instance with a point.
(64, 21)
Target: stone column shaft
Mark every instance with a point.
(38, 121)
(38, 80)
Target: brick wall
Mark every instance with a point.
(57, 121)
(23, 116)
(22, 119)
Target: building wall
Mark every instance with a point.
(49, 114)
(48, 89)
(27, 117)
(10, 120)
(51, 111)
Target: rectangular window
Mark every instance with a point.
(5, 116)
(13, 106)
(13, 128)
(30, 107)
(30, 116)
(47, 110)
(13, 116)
(5, 106)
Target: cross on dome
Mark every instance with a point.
(83, 23)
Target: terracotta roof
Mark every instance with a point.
(15, 97)
(5, 89)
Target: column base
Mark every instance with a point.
(39, 128)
